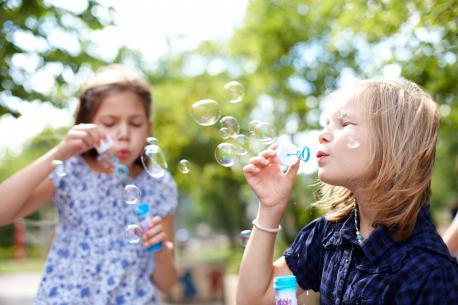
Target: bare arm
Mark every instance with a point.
(165, 273)
(272, 187)
(30, 188)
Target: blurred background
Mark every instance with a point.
(288, 54)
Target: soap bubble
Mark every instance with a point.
(264, 132)
(252, 125)
(242, 143)
(205, 112)
(225, 154)
(245, 236)
(353, 143)
(131, 194)
(152, 140)
(233, 92)
(132, 234)
(230, 123)
(153, 161)
(255, 145)
(225, 133)
(59, 169)
(184, 166)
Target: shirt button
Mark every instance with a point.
(346, 261)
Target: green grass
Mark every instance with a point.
(28, 265)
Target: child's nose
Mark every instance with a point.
(123, 131)
(324, 136)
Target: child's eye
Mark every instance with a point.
(344, 124)
(108, 124)
(136, 124)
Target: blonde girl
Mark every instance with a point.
(377, 243)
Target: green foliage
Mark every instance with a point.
(290, 51)
(26, 31)
(294, 52)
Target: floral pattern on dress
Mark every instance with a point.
(90, 262)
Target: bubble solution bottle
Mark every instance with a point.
(285, 290)
(142, 212)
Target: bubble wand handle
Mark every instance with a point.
(289, 154)
(303, 154)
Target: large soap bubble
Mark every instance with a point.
(205, 112)
(233, 92)
(153, 161)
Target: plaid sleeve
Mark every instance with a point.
(437, 287)
(303, 257)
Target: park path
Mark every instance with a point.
(20, 289)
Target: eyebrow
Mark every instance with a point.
(116, 116)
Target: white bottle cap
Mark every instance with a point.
(104, 145)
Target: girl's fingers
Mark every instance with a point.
(81, 135)
(152, 231)
(154, 221)
(259, 161)
(95, 134)
(90, 132)
(156, 239)
(273, 146)
(154, 227)
(250, 169)
(292, 170)
(80, 145)
(268, 153)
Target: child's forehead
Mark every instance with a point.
(341, 109)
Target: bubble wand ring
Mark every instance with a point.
(122, 171)
(301, 156)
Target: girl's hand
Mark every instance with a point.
(266, 179)
(80, 138)
(154, 233)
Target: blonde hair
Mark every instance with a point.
(403, 124)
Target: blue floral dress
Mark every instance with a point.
(90, 262)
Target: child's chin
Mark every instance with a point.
(326, 178)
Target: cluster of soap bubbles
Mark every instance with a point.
(154, 161)
(207, 113)
(132, 232)
(131, 195)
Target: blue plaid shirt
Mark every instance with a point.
(327, 258)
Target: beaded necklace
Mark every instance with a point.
(359, 237)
